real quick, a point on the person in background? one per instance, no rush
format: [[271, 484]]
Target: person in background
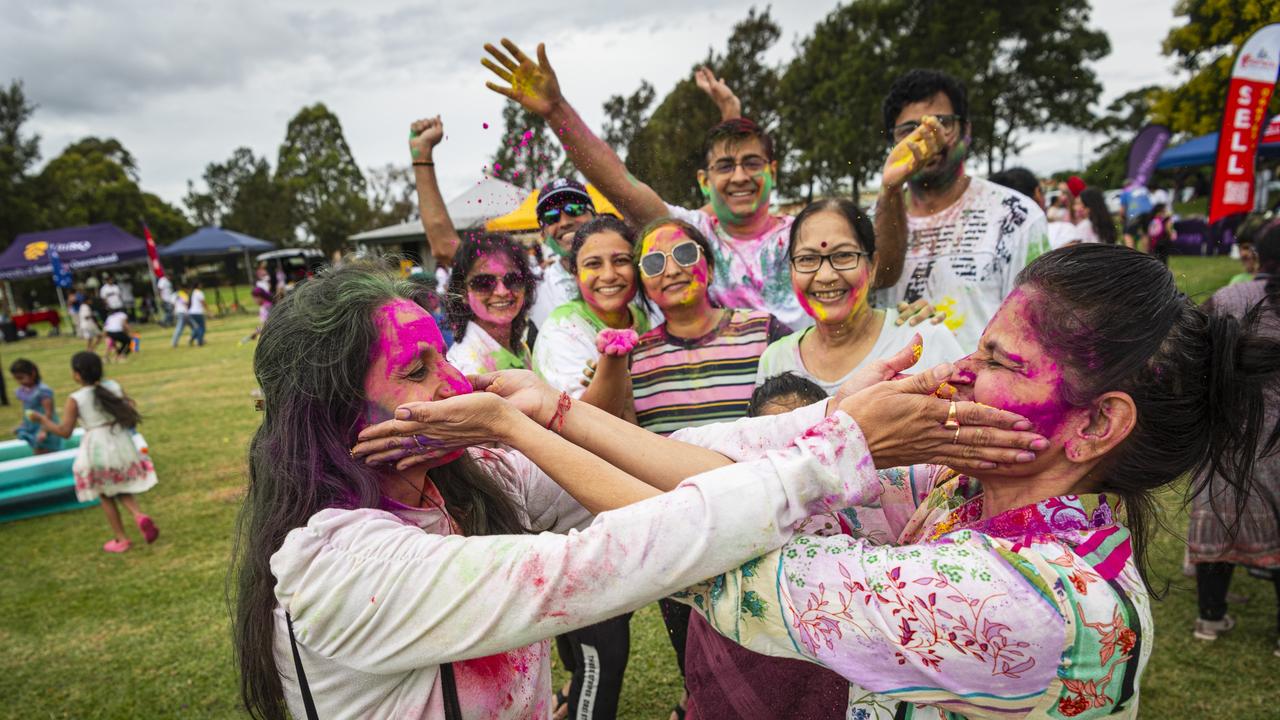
[[564, 206], [35, 397], [1226, 528], [126, 297], [737, 180], [111, 295], [1245, 233], [832, 247], [86, 323], [181, 306], [487, 305], [967, 237], [1061, 232], [1160, 232], [196, 313], [119, 336], [108, 465], [165, 285], [1093, 220], [783, 393]]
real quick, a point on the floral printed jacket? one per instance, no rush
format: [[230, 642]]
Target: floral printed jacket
[[1036, 612]]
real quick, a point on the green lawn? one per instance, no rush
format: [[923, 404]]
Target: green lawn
[[89, 635]]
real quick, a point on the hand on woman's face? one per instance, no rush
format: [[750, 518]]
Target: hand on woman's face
[[830, 295], [676, 285], [1012, 371], [606, 277], [407, 362], [500, 305]]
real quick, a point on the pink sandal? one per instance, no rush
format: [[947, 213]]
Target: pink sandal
[[149, 530], [116, 546]]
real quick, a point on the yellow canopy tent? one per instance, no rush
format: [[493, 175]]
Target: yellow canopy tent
[[524, 219]]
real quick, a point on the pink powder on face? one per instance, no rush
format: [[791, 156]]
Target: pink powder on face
[[402, 326], [616, 342]]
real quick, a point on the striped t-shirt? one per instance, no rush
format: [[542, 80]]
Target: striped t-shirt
[[686, 382]]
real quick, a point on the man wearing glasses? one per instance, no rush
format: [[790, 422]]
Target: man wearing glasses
[[563, 207], [967, 238]]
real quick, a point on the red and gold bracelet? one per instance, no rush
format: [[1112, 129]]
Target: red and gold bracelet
[[562, 408]]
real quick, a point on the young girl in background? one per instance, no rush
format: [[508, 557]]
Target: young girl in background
[[109, 465], [35, 397]]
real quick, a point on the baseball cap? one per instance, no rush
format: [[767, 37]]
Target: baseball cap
[[562, 190]]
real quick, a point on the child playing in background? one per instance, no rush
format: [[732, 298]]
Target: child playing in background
[[109, 465], [117, 329], [35, 396]]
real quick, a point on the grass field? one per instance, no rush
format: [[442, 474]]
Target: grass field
[[84, 634]]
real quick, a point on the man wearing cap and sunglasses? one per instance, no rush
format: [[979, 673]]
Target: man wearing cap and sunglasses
[[563, 206]]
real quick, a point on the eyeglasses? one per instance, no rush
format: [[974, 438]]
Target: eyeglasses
[[552, 216], [808, 264], [949, 123], [486, 283], [685, 254], [753, 164]]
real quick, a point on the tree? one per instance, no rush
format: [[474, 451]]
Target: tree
[[528, 155], [1126, 115], [94, 180], [393, 195], [320, 178], [19, 210], [166, 221], [667, 152], [625, 116], [1206, 47], [242, 196]]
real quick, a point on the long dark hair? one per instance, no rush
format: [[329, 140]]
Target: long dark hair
[[118, 407], [472, 249], [1103, 226], [311, 362], [1267, 246], [1196, 378]]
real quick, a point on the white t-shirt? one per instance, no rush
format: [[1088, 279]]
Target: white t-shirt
[[1085, 228], [165, 286], [567, 342], [197, 303], [1062, 234], [751, 273], [110, 294], [964, 258], [557, 287], [115, 322], [940, 346]]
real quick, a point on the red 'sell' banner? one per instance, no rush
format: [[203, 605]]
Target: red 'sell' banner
[[1253, 80]]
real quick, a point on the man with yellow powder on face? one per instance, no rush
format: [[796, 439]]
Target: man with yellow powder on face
[[752, 269], [967, 237]]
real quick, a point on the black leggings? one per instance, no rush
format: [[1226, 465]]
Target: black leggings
[[1212, 582], [600, 655], [123, 343]]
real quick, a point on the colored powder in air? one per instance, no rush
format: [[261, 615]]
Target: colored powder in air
[[486, 125]]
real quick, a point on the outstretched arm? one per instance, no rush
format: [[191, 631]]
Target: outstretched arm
[[70, 413], [424, 135], [729, 105], [535, 87]]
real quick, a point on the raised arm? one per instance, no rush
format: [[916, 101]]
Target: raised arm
[[727, 103], [904, 160], [424, 135], [534, 86]]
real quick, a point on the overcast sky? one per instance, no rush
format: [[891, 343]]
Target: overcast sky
[[182, 84]]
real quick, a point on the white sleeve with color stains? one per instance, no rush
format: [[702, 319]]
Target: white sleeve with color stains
[[382, 596], [751, 438]]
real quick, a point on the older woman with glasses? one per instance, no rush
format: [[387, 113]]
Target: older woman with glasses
[[833, 260]]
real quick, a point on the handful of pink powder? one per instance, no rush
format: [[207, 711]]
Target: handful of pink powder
[[616, 342]]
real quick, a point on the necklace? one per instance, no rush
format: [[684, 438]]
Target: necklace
[[422, 489]]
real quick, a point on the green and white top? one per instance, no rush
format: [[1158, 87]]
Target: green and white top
[[567, 342]]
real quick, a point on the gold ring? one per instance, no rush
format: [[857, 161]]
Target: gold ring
[[952, 422], [956, 440]]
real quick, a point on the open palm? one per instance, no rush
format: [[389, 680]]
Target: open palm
[[531, 84]]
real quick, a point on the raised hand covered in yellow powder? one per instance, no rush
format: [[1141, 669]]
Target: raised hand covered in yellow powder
[[533, 85], [915, 150]]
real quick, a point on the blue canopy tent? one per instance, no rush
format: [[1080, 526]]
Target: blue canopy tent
[[216, 241], [1204, 150]]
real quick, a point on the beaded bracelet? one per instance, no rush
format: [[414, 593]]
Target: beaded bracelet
[[562, 408]]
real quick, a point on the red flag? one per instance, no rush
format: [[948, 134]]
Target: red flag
[[152, 253], [1253, 77]]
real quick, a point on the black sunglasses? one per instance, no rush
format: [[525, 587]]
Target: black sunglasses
[[486, 283], [685, 254], [552, 215]]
